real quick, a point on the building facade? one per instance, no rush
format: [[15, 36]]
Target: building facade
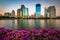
[[25, 12], [13, 13], [7, 14], [19, 13], [38, 10], [45, 12], [51, 11], [22, 7]]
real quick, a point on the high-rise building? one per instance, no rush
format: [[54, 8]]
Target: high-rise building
[[45, 11], [7, 14], [51, 11], [19, 13], [22, 6], [38, 10], [13, 13], [25, 12]]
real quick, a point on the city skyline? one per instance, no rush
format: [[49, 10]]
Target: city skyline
[[9, 5]]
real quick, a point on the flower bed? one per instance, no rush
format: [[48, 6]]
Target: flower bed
[[42, 34]]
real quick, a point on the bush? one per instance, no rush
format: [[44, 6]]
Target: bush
[[42, 34]]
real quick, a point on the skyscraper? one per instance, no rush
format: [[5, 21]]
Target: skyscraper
[[13, 13], [19, 13], [38, 10], [45, 11], [22, 6], [52, 11], [25, 12]]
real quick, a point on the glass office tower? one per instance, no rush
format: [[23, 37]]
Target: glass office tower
[[25, 12], [38, 9]]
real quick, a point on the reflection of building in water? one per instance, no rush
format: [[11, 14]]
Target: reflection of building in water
[[14, 24], [47, 23], [31, 24], [25, 24], [37, 24], [50, 12], [51, 23], [42, 23], [58, 24], [8, 24], [20, 23], [2, 22]]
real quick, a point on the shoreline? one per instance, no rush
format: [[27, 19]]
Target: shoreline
[[28, 18]]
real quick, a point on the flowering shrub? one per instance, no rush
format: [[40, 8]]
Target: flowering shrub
[[42, 34]]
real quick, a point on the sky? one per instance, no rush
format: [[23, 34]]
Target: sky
[[9, 5]]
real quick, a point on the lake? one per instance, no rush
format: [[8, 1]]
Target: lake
[[29, 24]]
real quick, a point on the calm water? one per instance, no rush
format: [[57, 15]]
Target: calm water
[[29, 24]]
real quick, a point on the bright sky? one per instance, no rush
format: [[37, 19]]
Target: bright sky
[[9, 5]]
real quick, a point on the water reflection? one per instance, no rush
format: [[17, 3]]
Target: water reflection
[[37, 24], [2, 22], [13, 24], [58, 24], [25, 24], [51, 23], [20, 24], [42, 23], [30, 24], [7, 24]]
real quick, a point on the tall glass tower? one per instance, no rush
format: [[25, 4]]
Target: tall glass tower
[[38, 9], [25, 12]]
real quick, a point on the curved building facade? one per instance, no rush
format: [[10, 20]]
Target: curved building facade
[[25, 12], [38, 9]]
